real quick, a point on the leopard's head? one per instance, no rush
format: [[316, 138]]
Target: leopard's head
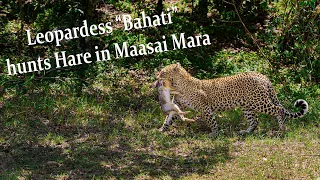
[[173, 72]]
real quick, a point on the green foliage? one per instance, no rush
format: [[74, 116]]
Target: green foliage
[[295, 44]]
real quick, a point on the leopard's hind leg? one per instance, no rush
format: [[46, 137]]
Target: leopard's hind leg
[[275, 111], [252, 118], [273, 95], [281, 116]]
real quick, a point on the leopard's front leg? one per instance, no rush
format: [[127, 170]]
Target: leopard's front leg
[[207, 115], [168, 122], [198, 103]]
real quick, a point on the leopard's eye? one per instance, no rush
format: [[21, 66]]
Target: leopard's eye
[[162, 74]]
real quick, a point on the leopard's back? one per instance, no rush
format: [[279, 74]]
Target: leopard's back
[[240, 90]]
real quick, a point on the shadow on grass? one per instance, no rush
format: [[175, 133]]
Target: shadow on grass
[[41, 138], [87, 153]]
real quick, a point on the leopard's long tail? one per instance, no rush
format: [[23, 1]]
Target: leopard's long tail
[[299, 103]]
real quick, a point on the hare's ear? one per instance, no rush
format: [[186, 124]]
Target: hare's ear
[[154, 84]]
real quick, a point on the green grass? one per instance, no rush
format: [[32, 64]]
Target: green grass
[[111, 131]]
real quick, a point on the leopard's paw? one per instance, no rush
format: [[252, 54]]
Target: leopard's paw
[[213, 135], [243, 132]]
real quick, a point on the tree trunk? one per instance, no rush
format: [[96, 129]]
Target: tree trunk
[[203, 11], [20, 34], [159, 6]]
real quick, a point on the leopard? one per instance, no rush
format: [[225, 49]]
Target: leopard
[[252, 92], [167, 105]]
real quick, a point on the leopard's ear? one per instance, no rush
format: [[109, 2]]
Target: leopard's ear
[[177, 67]]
